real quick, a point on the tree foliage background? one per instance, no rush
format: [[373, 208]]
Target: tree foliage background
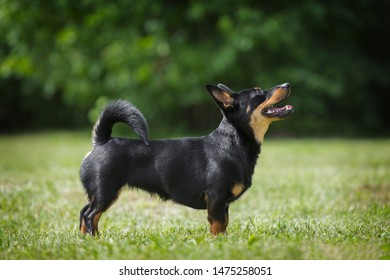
[[61, 61]]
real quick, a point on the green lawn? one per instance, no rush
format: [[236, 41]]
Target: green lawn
[[310, 199]]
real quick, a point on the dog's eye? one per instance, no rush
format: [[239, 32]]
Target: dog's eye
[[259, 92]]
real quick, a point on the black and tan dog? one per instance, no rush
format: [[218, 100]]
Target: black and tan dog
[[207, 172]]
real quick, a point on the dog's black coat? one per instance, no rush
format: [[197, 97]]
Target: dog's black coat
[[207, 172]]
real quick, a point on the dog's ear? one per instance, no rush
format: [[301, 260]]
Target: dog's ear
[[225, 88], [222, 95]]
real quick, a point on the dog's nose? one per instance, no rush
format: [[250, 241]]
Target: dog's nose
[[285, 85]]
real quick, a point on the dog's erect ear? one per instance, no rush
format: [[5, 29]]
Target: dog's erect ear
[[226, 88], [222, 95]]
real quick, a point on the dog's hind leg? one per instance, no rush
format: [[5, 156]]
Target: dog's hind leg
[[83, 227], [93, 220], [98, 206]]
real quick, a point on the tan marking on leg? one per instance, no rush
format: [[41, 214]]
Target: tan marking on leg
[[83, 228], [95, 223], [218, 227], [237, 189]]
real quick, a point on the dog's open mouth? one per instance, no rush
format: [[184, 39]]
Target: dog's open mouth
[[282, 112], [279, 94]]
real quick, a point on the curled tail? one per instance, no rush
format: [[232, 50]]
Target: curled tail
[[119, 111]]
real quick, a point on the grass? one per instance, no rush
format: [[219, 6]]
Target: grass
[[311, 199]]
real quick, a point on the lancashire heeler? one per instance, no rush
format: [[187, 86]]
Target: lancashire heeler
[[207, 172]]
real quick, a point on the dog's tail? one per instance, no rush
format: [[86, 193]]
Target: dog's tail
[[119, 111]]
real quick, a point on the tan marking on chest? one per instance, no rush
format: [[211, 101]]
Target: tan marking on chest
[[238, 189]]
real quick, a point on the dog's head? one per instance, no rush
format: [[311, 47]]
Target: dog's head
[[252, 110]]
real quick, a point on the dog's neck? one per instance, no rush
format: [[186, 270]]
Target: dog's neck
[[234, 141], [237, 137]]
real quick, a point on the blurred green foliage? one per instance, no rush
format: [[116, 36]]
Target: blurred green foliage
[[61, 61]]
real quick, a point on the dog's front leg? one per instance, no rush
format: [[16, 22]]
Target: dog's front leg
[[218, 214]]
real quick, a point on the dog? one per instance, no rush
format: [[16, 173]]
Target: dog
[[207, 172]]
